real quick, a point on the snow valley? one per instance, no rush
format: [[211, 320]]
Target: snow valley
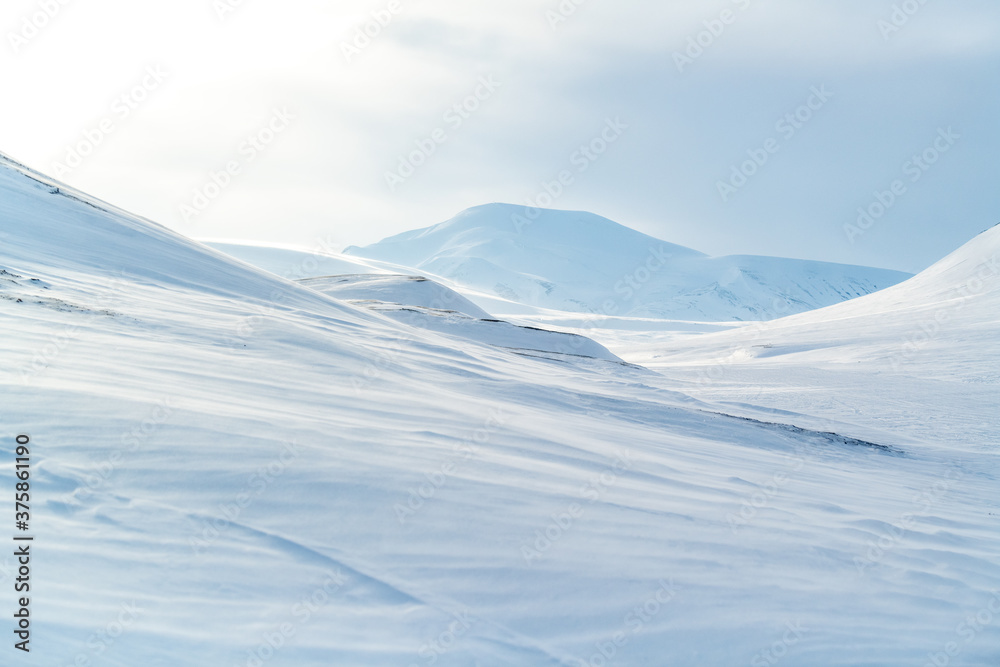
[[443, 449]]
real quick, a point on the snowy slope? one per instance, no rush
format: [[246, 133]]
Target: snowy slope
[[397, 289], [423, 303], [296, 264], [233, 469], [922, 357], [915, 323], [582, 262], [299, 264]]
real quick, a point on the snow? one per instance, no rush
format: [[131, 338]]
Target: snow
[[918, 358], [298, 263], [423, 303], [396, 289], [560, 260], [265, 474]]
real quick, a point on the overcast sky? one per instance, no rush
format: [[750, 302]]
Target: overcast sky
[[331, 134]]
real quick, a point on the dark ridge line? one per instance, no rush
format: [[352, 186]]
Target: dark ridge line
[[523, 352], [798, 430]]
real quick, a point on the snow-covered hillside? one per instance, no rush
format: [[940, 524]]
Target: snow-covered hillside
[[396, 289], [230, 468], [582, 262], [916, 323], [296, 264], [920, 358], [423, 303]]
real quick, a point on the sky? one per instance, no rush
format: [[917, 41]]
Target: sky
[[856, 131]]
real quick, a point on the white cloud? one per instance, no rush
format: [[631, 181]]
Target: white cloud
[[356, 118]]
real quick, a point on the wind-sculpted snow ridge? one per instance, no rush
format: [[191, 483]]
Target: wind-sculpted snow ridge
[[426, 304], [237, 470], [401, 290], [581, 262]]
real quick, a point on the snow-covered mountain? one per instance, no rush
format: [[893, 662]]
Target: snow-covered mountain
[[231, 468], [920, 358], [945, 318], [581, 262]]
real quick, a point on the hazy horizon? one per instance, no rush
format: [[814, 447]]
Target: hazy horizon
[[735, 127]]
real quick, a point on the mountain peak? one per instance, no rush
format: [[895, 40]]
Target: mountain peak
[[498, 230], [582, 262]]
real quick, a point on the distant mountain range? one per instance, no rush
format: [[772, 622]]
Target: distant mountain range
[[945, 320], [581, 262]]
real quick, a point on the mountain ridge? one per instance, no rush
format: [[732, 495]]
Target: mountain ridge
[[582, 262]]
